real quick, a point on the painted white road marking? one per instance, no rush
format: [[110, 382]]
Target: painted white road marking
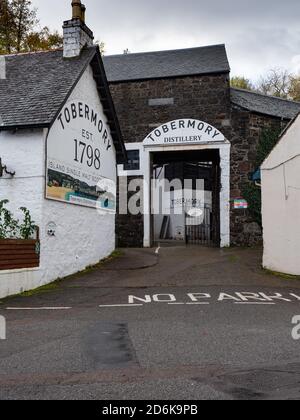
[[39, 309], [254, 303], [128, 305], [198, 303], [176, 303]]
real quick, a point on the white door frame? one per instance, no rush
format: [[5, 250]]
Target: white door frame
[[224, 151]]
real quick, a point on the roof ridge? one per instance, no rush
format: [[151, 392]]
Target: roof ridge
[[165, 51], [20, 54], [264, 95]]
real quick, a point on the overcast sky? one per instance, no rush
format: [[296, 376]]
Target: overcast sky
[[259, 34]]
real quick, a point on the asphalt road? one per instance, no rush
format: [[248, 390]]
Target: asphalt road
[[192, 323]]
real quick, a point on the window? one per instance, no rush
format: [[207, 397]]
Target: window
[[133, 163]]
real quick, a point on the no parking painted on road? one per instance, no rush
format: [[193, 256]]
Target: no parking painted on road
[[236, 298]]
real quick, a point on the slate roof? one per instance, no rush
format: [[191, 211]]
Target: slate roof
[[37, 85], [164, 64], [263, 104]]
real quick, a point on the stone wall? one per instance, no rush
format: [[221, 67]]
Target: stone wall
[[245, 135], [129, 228], [206, 98]]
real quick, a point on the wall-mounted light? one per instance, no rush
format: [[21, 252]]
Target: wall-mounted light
[[3, 170]]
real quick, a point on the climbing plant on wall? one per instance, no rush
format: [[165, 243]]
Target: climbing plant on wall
[[267, 141], [252, 192]]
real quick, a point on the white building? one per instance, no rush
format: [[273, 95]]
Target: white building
[[281, 203], [60, 135]]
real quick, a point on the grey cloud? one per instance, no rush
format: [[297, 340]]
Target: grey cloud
[[258, 34]]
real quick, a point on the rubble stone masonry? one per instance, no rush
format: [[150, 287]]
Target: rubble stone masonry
[[143, 105]]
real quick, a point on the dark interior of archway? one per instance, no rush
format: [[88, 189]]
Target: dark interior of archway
[[195, 164], [160, 158]]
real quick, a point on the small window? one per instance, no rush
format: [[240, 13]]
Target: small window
[[133, 163]]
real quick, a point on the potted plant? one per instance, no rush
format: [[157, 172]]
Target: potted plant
[[18, 247]]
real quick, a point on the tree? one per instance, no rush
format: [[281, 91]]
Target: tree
[[294, 90], [6, 25], [18, 29], [101, 46], [25, 18], [276, 83], [241, 82], [43, 40]]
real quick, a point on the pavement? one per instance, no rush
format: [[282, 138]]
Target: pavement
[[187, 323]]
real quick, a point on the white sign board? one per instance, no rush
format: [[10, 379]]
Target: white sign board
[[81, 157], [185, 131]]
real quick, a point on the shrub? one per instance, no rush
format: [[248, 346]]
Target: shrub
[[11, 228]]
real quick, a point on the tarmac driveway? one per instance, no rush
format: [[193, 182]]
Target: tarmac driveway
[[187, 323]]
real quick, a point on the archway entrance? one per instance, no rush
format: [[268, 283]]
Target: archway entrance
[[194, 150], [186, 185]]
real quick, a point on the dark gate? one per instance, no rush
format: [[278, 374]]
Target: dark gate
[[198, 230], [202, 227], [205, 228]]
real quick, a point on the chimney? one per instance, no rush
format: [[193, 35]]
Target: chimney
[[76, 34]]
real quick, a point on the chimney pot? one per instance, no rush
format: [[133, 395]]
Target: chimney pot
[[76, 9], [83, 9]]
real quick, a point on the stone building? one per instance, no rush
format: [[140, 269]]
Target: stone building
[[152, 90]]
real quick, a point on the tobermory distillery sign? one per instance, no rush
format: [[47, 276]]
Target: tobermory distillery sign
[[80, 157], [185, 131]]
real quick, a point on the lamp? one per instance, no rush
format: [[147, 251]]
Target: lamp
[[3, 169]]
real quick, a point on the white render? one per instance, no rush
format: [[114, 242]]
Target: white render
[[281, 204], [82, 237], [76, 36]]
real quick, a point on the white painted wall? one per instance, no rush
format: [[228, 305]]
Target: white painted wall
[[83, 237], [281, 204]]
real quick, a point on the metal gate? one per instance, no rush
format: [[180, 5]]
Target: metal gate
[[198, 230], [206, 229]]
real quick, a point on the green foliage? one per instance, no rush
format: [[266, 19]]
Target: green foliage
[[11, 228], [241, 82], [43, 40], [27, 228], [8, 225], [267, 142], [19, 29], [251, 192]]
